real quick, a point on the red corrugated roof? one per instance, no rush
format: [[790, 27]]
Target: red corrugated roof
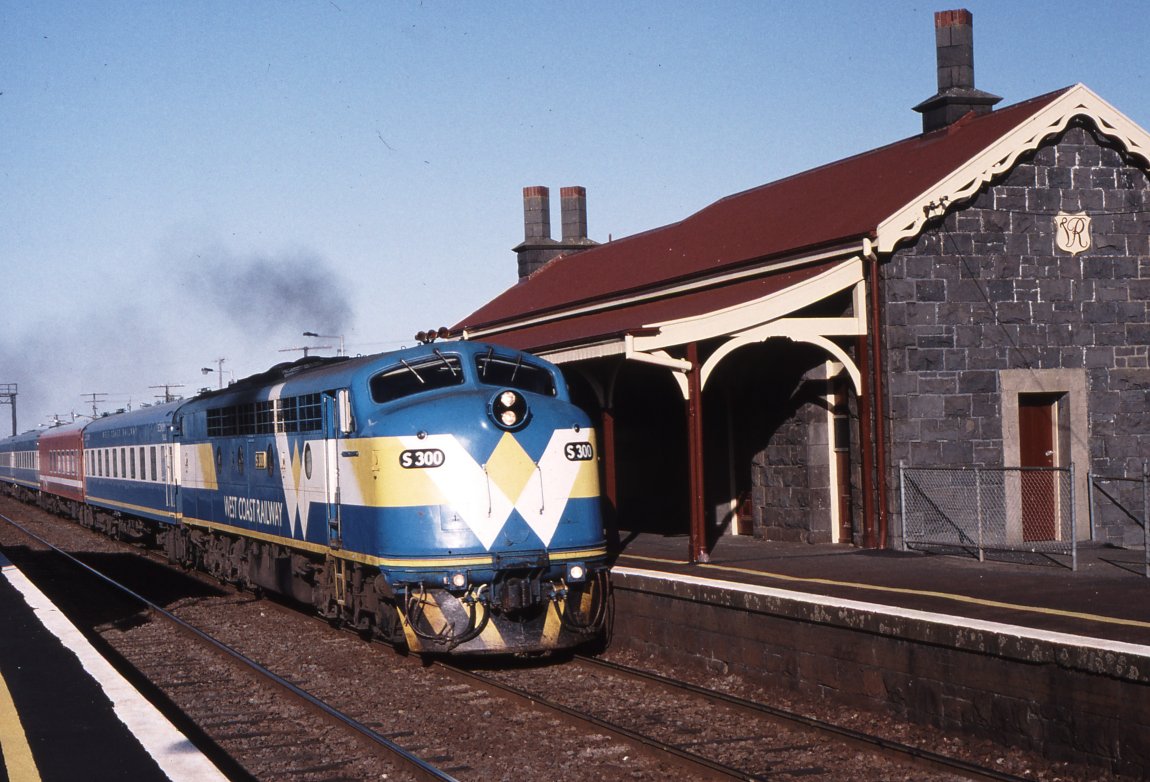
[[825, 206]]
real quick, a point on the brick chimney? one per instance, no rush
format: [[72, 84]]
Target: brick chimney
[[573, 203], [537, 247], [954, 44], [536, 214]]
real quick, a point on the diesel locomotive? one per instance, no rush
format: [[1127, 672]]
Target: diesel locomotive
[[443, 498]]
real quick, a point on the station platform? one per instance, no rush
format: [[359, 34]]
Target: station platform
[[1026, 654], [1106, 598], [66, 713]]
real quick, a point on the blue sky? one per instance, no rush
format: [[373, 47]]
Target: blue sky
[[181, 182]]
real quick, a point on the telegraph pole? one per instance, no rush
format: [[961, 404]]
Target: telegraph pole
[[8, 397]]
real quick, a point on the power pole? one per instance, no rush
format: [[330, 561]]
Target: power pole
[[168, 396], [219, 370], [305, 349], [94, 400], [8, 397]]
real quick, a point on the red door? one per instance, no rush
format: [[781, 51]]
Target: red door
[[1037, 423]]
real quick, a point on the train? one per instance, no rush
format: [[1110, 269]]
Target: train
[[443, 498]]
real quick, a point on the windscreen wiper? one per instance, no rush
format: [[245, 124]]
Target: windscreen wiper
[[411, 369], [443, 358]]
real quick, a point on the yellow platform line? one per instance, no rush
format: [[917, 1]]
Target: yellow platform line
[[906, 591], [18, 760]]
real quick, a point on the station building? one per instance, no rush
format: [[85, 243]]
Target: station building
[[973, 296]]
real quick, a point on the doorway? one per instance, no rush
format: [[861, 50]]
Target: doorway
[[1038, 455]]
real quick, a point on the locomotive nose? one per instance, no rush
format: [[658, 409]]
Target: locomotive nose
[[509, 410]]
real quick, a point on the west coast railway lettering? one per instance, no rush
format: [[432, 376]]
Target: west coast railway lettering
[[268, 513]]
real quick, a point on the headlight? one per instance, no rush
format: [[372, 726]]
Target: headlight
[[459, 580], [575, 573], [509, 409]]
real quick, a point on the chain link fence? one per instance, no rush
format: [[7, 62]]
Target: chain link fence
[[1119, 511], [977, 510]]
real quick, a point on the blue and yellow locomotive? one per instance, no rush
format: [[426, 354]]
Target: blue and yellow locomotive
[[443, 497]]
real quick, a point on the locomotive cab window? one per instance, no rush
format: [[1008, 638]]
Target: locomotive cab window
[[415, 377], [514, 372]]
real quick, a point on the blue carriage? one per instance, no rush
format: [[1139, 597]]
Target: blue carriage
[[20, 462]]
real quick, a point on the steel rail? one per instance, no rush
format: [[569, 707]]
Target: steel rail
[[917, 755], [697, 765], [421, 768]]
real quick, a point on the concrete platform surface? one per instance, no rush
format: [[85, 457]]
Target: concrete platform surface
[[66, 713], [1107, 597]]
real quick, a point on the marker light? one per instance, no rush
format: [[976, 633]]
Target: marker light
[[575, 573], [458, 580]]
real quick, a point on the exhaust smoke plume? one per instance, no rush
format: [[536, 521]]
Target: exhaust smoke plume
[[263, 294], [164, 329]]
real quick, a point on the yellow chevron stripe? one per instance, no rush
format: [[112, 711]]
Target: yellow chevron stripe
[[587, 481]]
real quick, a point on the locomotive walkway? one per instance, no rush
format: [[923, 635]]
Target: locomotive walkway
[[65, 713]]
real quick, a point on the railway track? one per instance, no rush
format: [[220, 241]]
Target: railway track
[[916, 756], [731, 743], [322, 718], [573, 719], [239, 719]]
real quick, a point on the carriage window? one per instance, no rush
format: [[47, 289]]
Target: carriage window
[[514, 371], [416, 376]]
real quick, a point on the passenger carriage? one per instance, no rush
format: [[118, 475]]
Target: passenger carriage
[[128, 464], [20, 463], [62, 468]]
